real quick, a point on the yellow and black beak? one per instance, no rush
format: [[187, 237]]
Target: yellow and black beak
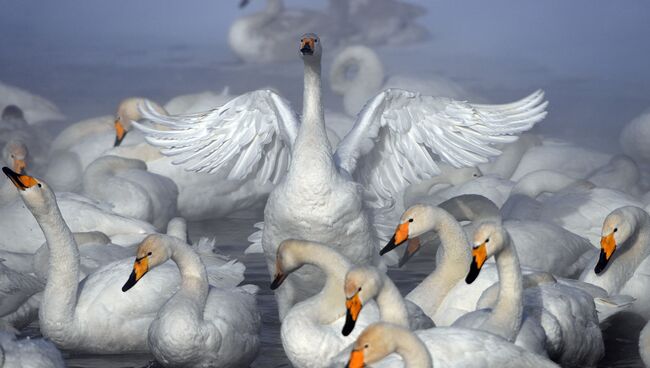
[[140, 268], [479, 255], [607, 248], [19, 166], [307, 46], [353, 306], [401, 235], [356, 359], [278, 280], [120, 133], [21, 182]]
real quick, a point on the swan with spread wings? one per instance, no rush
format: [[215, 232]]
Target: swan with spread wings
[[340, 197]]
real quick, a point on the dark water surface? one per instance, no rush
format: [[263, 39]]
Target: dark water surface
[[620, 335]]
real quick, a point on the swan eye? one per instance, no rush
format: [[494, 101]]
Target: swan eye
[[39, 185], [366, 346], [316, 40], [13, 156], [148, 254], [475, 175], [410, 220], [615, 229], [487, 240], [358, 290]]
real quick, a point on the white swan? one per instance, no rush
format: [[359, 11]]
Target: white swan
[[634, 137], [13, 126], [28, 353], [575, 204], [311, 330], [18, 297], [369, 79], [37, 109], [556, 307], [130, 190], [449, 178], [197, 102], [505, 165], [220, 326], [319, 195], [437, 347], [620, 173], [623, 266], [76, 316], [14, 154]]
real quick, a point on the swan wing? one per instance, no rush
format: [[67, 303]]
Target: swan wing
[[399, 136], [250, 134]]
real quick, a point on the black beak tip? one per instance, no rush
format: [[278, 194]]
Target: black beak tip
[[118, 141], [602, 262], [7, 171], [390, 246], [474, 271], [277, 281], [130, 282], [306, 50], [349, 324]]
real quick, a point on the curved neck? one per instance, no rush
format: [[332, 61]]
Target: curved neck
[[411, 349], [311, 159], [367, 81], [194, 279], [391, 304], [506, 316], [453, 265], [329, 304], [60, 295]]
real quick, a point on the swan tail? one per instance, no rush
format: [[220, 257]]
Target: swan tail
[[256, 240], [228, 275], [612, 305]]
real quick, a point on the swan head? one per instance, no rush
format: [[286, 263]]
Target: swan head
[[287, 260], [361, 284], [128, 111], [372, 345], [15, 154], [152, 251], [310, 47], [489, 238], [617, 228], [13, 112], [415, 221], [36, 194]]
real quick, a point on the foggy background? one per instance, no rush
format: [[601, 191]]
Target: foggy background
[[590, 56]]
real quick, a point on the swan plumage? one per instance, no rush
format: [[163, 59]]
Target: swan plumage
[[220, 325], [634, 137], [36, 108], [18, 290], [28, 353], [319, 193]]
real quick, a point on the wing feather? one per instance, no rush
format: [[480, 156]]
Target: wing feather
[[399, 136], [250, 135]]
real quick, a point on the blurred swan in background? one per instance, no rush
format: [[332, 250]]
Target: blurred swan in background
[[19, 297], [634, 138], [335, 198], [197, 102], [36, 108], [358, 74], [221, 326], [28, 353]]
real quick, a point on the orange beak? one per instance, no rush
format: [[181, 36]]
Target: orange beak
[[607, 248], [479, 256], [356, 359], [21, 182], [307, 46], [120, 133], [353, 306], [140, 268], [400, 236]]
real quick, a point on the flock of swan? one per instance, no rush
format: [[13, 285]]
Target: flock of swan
[[537, 242]]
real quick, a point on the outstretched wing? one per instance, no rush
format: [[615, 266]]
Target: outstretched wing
[[252, 133], [399, 135]]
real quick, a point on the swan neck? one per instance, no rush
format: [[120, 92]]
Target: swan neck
[[391, 305], [194, 278], [411, 349], [506, 316], [60, 294], [453, 264]]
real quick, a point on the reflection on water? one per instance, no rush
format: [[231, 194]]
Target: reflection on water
[[621, 333]]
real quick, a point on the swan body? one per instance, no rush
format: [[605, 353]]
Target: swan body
[[370, 79], [438, 347], [623, 265], [311, 330], [505, 165], [220, 325], [330, 197], [37, 109], [130, 190], [620, 173], [69, 311], [18, 296], [28, 353], [449, 177], [634, 138]]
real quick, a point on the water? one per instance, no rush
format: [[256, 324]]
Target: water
[[620, 335]]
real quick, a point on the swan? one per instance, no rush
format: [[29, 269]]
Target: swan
[[130, 190], [370, 79], [437, 347], [634, 137], [19, 297], [575, 204], [197, 102], [505, 165], [569, 310], [36, 108], [562, 156], [13, 127], [220, 326], [490, 186], [14, 154], [449, 177], [311, 329], [320, 195], [623, 266], [95, 315], [644, 345], [28, 353], [620, 173]]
